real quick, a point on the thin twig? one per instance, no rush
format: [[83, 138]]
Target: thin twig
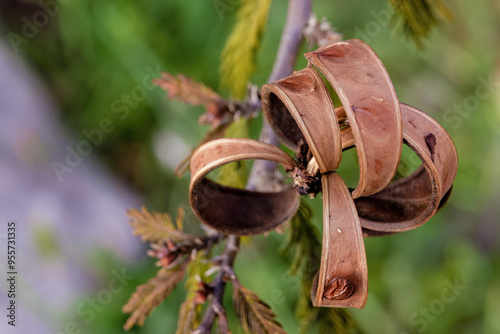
[[291, 39], [171, 254], [204, 242], [221, 318], [232, 247]]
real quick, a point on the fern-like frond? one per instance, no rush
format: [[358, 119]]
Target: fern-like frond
[[190, 311], [418, 17], [156, 226], [304, 239], [191, 92], [255, 316], [187, 90], [147, 296], [239, 54]]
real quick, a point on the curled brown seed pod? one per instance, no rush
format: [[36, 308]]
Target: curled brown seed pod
[[300, 110]]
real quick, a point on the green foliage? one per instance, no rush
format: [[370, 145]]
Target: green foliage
[[190, 311], [304, 239], [418, 17], [239, 54], [328, 320]]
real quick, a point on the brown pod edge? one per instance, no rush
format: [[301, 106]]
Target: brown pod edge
[[361, 82], [238, 211], [342, 280], [410, 202], [299, 107]]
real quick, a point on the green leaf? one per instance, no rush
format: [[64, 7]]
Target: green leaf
[[417, 18], [239, 54], [190, 311]]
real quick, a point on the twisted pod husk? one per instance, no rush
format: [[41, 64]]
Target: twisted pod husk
[[299, 107]]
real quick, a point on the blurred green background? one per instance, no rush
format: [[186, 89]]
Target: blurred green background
[[92, 54]]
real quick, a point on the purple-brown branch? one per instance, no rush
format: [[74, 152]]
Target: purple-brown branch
[[232, 247]]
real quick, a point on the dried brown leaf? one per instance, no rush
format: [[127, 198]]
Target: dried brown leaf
[[155, 226], [187, 90], [255, 316], [191, 92], [147, 296], [188, 316]]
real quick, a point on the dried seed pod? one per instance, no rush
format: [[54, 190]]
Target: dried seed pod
[[343, 251], [299, 108], [410, 202], [238, 211]]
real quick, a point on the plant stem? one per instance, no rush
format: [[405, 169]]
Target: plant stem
[[291, 39], [232, 247], [262, 171]]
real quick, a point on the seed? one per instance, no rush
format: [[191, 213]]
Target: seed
[[339, 288]]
